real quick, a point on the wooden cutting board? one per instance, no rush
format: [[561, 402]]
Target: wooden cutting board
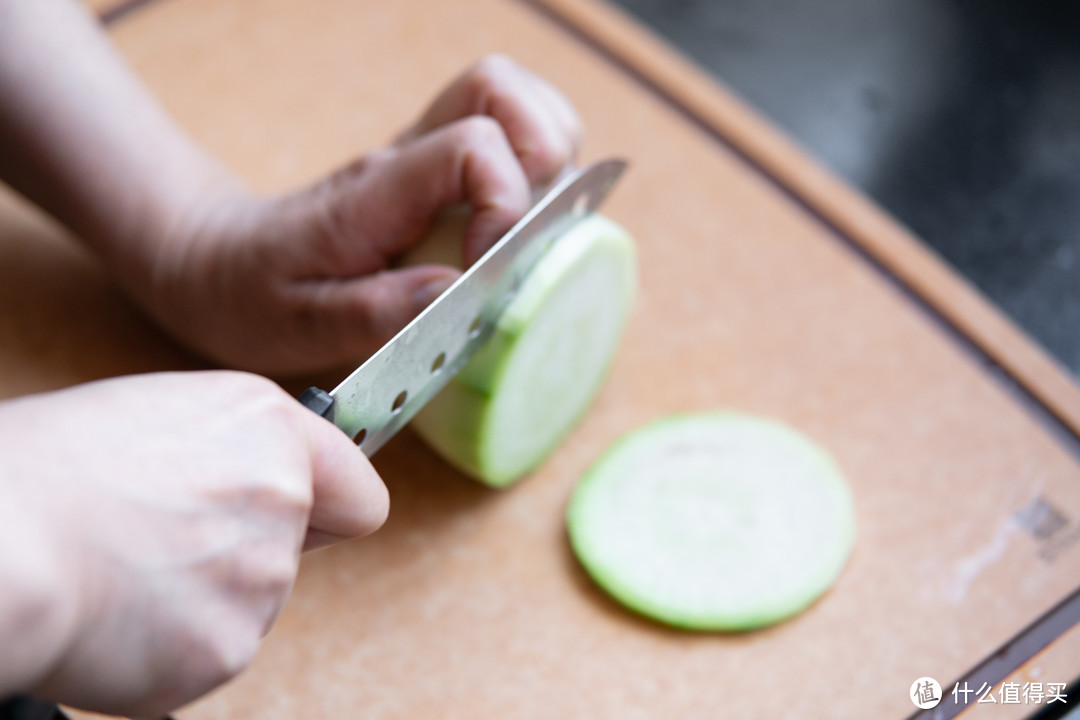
[[767, 286]]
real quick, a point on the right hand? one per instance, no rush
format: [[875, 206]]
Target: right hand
[[159, 521]]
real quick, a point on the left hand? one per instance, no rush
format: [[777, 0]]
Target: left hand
[[302, 282]]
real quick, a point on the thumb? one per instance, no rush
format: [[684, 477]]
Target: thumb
[[349, 498], [356, 316]]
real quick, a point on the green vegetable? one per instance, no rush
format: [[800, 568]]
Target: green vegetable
[[715, 521], [513, 403]]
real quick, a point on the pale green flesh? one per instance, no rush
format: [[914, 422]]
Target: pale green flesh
[[521, 395], [713, 522]]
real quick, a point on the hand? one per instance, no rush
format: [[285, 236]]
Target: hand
[[285, 285], [303, 282], [159, 522]]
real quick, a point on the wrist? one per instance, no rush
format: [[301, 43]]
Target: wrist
[[163, 225], [87, 143]]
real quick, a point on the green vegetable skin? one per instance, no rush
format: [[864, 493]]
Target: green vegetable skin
[[716, 521], [519, 397]]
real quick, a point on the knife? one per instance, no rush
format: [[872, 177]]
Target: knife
[[384, 393]]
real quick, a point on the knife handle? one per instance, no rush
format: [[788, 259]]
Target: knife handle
[[317, 401]]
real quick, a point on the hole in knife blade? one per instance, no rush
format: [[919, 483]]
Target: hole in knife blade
[[399, 402], [515, 285], [358, 438], [474, 328], [581, 205], [439, 362]]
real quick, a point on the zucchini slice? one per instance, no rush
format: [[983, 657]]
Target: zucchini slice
[[516, 400], [718, 521]]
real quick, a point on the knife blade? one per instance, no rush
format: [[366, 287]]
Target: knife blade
[[387, 390]]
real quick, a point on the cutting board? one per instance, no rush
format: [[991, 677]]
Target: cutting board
[[767, 286]]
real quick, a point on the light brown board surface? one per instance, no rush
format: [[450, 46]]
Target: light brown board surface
[[102, 6], [874, 231], [468, 603]]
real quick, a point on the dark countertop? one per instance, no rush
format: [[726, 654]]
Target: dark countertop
[[960, 117]]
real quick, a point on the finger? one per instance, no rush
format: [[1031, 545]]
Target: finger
[[350, 500], [352, 318], [572, 126], [543, 128], [379, 209], [478, 167], [469, 161]]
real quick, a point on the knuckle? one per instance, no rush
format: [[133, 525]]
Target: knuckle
[[335, 333], [342, 179], [267, 573], [479, 131], [280, 576], [576, 130], [234, 390], [331, 203], [215, 653], [308, 321], [551, 157], [257, 386], [374, 308], [496, 61], [332, 216], [492, 68], [233, 652], [369, 315], [261, 584], [283, 496], [272, 472], [266, 400]]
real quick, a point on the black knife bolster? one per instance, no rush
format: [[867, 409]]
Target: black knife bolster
[[317, 401]]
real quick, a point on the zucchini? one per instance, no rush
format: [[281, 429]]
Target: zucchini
[[525, 390], [714, 521]]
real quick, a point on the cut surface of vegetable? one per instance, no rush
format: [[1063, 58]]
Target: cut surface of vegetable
[[523, 392], [718, 521]]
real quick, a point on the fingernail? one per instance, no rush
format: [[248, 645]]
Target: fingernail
[[426, 294]]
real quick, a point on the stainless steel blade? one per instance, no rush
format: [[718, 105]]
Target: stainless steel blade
[[384, 393]]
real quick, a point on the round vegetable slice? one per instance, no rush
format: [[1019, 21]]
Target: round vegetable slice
[[523, 392], [718, 521]]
